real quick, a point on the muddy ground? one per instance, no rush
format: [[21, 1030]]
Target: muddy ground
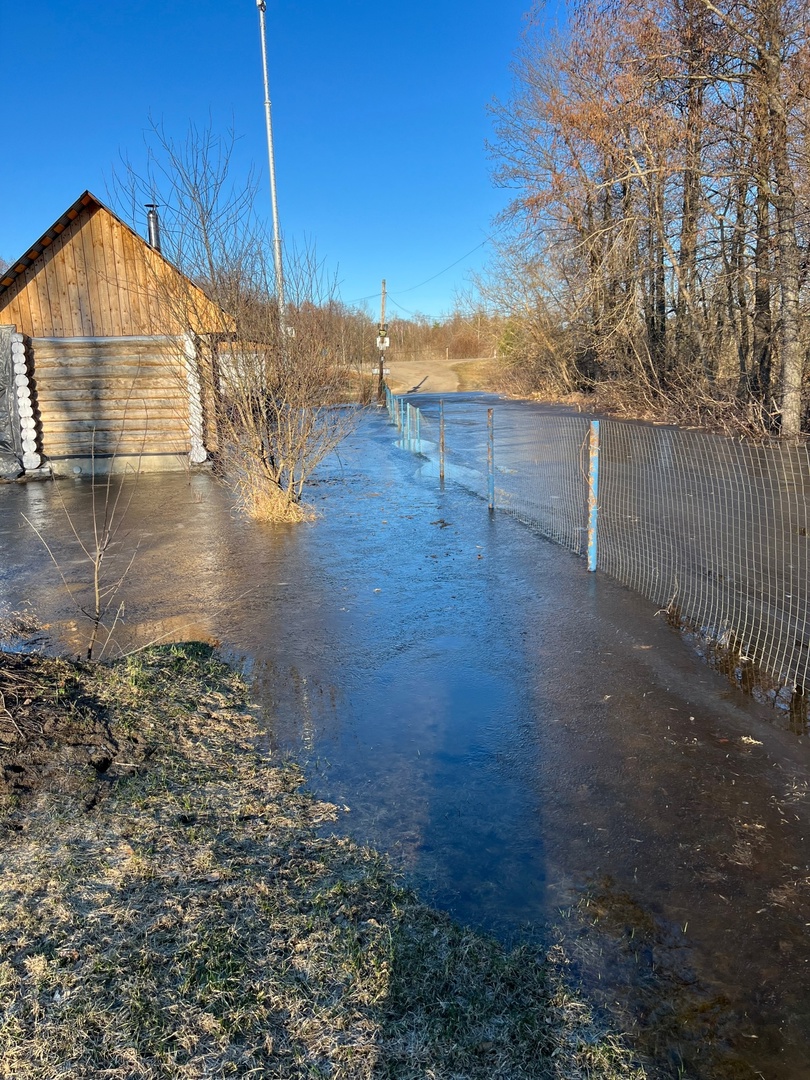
[[55, 738]]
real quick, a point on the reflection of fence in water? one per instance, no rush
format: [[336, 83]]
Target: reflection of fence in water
[[714, 530]]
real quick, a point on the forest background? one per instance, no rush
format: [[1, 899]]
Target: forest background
[[654, 257]]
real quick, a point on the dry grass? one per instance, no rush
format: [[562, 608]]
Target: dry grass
[[479, 376], [262, 502], [193, 922]]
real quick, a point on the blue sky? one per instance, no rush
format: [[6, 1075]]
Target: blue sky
[[379, 116]]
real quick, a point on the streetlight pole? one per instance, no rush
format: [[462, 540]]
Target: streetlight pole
[[279, 269]]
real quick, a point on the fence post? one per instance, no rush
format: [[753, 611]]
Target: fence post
[[418, 430], [491, 458], [593, 492], [408, 421], [441, 442]]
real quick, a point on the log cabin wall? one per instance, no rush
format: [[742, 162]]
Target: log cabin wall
[[124, 396]]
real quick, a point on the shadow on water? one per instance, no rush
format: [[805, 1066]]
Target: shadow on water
[[528, 743]]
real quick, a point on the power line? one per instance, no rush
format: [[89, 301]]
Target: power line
[[413, 288], [414, 313], [472, 251]]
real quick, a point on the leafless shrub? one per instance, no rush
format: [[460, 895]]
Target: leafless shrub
[[273, 389]]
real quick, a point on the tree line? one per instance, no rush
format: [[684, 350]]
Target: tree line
[[660, 224]]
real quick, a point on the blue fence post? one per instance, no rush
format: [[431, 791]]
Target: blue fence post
[[491, 458], [418, 430], [441, 442], [593, 493], [408, 418]]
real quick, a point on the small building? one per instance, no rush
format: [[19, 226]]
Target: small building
[[98, 362]]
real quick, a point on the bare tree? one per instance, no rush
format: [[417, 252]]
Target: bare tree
[[274, 403], [657, 153]]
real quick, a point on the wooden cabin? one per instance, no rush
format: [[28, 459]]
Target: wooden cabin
[[99, 344]]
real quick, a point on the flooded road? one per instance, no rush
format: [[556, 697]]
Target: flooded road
[[530, 742]]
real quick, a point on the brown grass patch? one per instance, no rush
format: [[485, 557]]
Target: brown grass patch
[[481, 376]]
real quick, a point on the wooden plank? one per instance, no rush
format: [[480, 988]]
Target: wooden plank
[[85, 277], [151, 430], [83, 431], [84, 443], [121, 449], [26, 316], [13, 310], [123, 275], [125, 408], [71, 309], [107, 366], [148, 436], [106, 288], [98, 362], [159, 342], [159, 314], [92, 390], [48, 273], [158, 346], [130, 408], [79, 241], [108, 347], [138, 302], [107, 319], [113, 285], [115, 383], [38, 301], [97, 284]]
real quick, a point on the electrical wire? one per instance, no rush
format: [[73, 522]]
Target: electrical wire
[[426, 315], [427, 281], [413, 288]]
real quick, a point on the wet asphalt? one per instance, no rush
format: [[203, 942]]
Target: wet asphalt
[[537, 750]]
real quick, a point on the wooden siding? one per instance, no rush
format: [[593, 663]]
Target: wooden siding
[[115, 396], [97, 278]]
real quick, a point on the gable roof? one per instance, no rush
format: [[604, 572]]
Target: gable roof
[[19, 266], [24, 271]]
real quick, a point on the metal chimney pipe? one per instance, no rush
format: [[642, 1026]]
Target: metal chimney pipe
[[153, 226]]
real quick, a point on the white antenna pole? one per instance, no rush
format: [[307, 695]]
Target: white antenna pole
[[282, 307]]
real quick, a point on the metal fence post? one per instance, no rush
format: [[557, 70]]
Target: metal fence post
[[491, 458], [593, 492], [408, 421], [418, 430], [441, 441]]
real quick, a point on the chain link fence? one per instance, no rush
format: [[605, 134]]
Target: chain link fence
[[712, 530]]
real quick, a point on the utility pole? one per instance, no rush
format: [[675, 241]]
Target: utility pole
[[382, 344], [279, 269]]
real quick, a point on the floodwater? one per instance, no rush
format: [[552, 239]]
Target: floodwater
[[535, 748]]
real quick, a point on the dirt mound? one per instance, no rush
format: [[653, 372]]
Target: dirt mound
[[54, 736]]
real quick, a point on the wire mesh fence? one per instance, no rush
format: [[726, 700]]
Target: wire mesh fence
[[714, 531]]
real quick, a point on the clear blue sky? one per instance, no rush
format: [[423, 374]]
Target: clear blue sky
[[379, 116]]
